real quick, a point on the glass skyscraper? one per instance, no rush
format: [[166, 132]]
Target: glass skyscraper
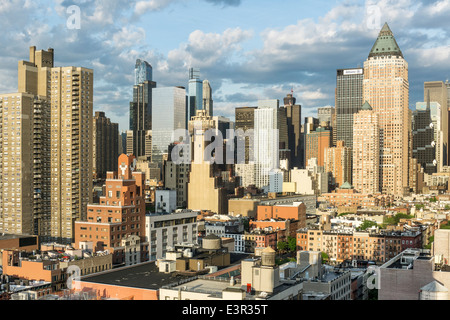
[[195, 94], [142, 72], [169, 114], [349, 100], [141, 115]]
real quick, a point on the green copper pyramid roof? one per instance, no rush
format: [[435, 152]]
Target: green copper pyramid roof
[[385, 45], [346, 185], [366, 106]]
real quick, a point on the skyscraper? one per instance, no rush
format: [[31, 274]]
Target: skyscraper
[[294, 129], [349, 99], [142, 72], [71, 148], [207, 98], [386, 89], [266, 141], [141, 116], [204, 189], [436, 91], [366, 150], [423, 143], [62, 155], [25, 164], [195, 94], [106, 145], [169, 114], [435, 114]]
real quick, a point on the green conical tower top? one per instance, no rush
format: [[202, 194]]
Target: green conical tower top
[[366, 106], [385, 45]]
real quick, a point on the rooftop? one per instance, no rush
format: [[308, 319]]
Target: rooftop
[[143, 276], [7, 236]]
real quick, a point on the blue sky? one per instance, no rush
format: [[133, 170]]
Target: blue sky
[[247, 49]]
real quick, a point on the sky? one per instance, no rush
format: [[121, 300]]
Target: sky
[[247, 49]]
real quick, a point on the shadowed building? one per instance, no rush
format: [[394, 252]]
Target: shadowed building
[[106, 145]]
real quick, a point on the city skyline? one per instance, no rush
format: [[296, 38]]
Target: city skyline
[[263, 56]]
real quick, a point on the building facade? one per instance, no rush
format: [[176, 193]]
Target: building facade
[[366, 150], [105, 145], [386, 89], [349, 99], [119, 216]]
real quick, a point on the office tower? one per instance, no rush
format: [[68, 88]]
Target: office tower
[[25, 164], [266, 141], [176, 176], [169, 114], [142, 72], [119, 217], [435, 113], [366, 150], [204, 189], [129, 142], [245, 121], [195, 94], [69, 92], [106, 145], [207, 98], [386, 89], [222, 124], [338, 164], [437, 91], [325, 114], [141, 117], [423, 143], [294, 128], [349, 99], [315, 144]]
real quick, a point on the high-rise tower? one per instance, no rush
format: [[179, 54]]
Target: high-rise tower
[[195, 94], [366, 150], [142, 72], [349, 99], [386, 89], [52, 113], [207, 98], [294, 129]]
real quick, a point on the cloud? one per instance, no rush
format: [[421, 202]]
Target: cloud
[[232, 3], [303, 54]]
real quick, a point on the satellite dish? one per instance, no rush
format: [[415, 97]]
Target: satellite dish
[[431, 125], [433, 144], [435, 163]]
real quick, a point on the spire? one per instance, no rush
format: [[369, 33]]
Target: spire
[[385, 45]]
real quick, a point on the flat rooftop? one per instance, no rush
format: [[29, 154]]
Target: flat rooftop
[[211, 287], [7, 236], [144, 276]]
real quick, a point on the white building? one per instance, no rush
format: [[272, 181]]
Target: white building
[[266, 141], [165, 201], [165, 230]]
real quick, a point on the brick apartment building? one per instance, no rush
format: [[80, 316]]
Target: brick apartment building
[[378, 246], [117, 223]]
